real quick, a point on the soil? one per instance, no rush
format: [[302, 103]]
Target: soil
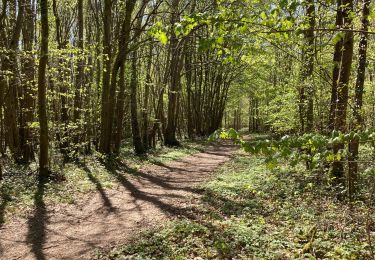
[[143, 199]]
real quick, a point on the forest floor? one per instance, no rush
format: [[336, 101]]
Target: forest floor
[[143, 198], [249, 210]]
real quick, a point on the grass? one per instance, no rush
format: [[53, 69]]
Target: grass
[[74, 180], [251, 212]]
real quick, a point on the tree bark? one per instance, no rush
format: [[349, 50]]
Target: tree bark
[[120, 110], [145, 114], [80, 79], [336, 69], [358, 99], [10, 64], [137, 140], [343, 88], [120, 58], [62, 137], [175, 82], [28, 103], [2, 76], [309, 64], [42, 89], [105, 135]]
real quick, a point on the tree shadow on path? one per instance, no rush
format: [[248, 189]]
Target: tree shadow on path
[[36, 236], [138, 194], [99, 187]]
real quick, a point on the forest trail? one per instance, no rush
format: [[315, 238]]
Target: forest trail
[[143, 199]]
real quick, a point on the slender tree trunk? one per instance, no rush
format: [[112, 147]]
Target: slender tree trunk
[[358, 99], [105, 136], [1, 119], [62, 85], [120, 110], [175, 84], [336, 69], [189, 50], [2, 77], [98, 76], [137, 140], [88, 99], [42, 89], [27, 103], [10, 63], [309, 66], [80, 70], [343, 88], [145, 113], [2, 87], [120, 58], [189, 83]]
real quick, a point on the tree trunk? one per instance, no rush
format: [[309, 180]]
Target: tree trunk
[[175, 84], [336, 69], [27, 103], [137, 140], [10, 63], [120, 58], [80, 71], [105, 136], [42, 89], [309, 64], [358, 99], [2, 79], [120, 110], [62, 137], [145, 113], [342, 88]]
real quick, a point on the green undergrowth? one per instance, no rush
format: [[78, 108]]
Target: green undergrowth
[[251, 212], [164, 154], [71, 181]]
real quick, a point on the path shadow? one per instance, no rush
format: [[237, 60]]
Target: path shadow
[[161, 181], [144, 196], [164, 203], [137, 194], [170, 168], [222, 154], [99, 187], [36, 236], [187, 171]]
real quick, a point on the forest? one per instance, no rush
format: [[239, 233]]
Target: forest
[[186, 129]]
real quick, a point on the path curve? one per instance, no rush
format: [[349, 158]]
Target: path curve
[[110, 217]]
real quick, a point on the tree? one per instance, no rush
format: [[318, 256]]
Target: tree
[[10, 65], [336, 66], [109, 106], [28, 84], [341, 103], [80, 79], [137, 140], [42, 89], [105, 135], [307, 90], [174, 83], [358, 98]]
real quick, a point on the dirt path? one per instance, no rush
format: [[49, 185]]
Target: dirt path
[[110, 217]]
